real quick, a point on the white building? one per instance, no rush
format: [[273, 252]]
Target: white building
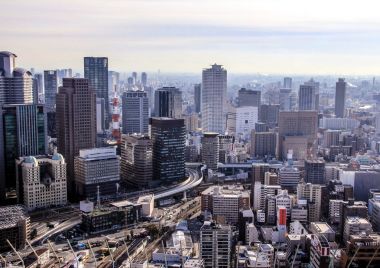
[[251, 233], [44, 181], [147, 204], [214, 96], [339, 123], [246, 118], [356, 226]]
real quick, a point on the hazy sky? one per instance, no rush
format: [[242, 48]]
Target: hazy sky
[[246, 36]]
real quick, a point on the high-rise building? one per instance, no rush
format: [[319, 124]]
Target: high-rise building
[[246, 118], [23, 134], [215, 245], [42, 181], [144, 79], [40, 83], [340, 97], [263, 144], [307, 98], [287, 82], [96, 71], [100, 113], [289, 176], [315, 171], [51, 89], [16, 84], [135, 112], [285, 99], [134, 76], [136, 160], [168, 139], [214, 97], [210, 150], [269, 114], [298, 124], [248, 97], [113, 80], [64, 73], [168, 102], [197, 97], [314, 194], [97, 167], [76, 122]]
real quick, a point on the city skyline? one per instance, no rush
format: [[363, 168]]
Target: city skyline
[[248, 37]]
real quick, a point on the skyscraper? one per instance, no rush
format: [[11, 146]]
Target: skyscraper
[[23, 134], [197, 98], [340, 97], [76, 122], [16, 84], [307, 98], [134, 76], [168, 138], [51, 89], [168, 102], [136, 160], [297, 124], [269, 114], [144, 79], [135, 112], [263, 144], [214, 95], [210, 150], [96, 71], [288, 82], [248, 97]]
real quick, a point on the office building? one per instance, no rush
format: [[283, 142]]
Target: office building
[[168, 102], [289, 176], [287, 82], [307, 98], [319, 249], [322, 228], [43, 181], [226, 143], [76, 122], [14, 226], [285, 99], [136, 160], [96, 71], [331, 138], [144, 79], [113, 81], [51, 89], [191, 122], [314, 194], [354, 225], [269, 114], [224, 203], [263, 144], [248, 97], [100, 115], [135, 112], [361, 255], [197, 97], [210, 150], [340, 98], [23, 134], [168, 140], [214, 99], [97, 167], [16, 84], [315, 171], [339, 123], [215, 245], [246, 118], [294, 124]]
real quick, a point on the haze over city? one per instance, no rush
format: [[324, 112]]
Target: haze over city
[[271, 36]]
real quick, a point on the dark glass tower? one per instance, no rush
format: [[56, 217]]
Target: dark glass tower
[[197, 98], [168, 102], [168, 139], [96, 71], [24, 134]]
